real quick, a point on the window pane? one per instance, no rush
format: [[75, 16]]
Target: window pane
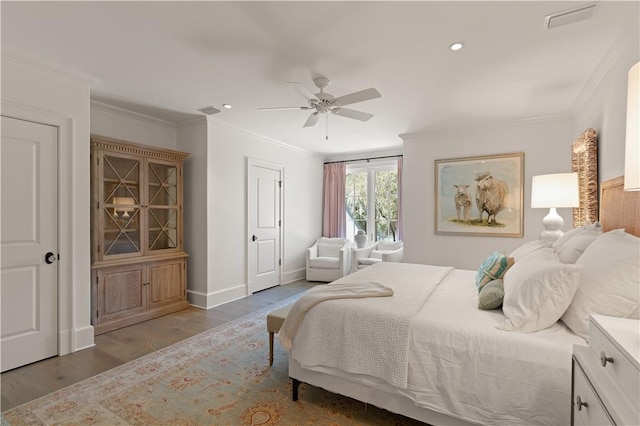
[[386, 202], [356, 203]]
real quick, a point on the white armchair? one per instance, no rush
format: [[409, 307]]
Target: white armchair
[[382, 251], [328, 259]]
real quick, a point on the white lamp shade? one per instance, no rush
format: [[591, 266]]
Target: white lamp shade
[[124, 204], [632, 147], [555, 190]]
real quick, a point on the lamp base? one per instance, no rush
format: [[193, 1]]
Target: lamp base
[[552, 223]]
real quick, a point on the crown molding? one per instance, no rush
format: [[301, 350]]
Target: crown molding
[[211, 120], [147, 119], [48, 68], [629, 32], [193, 122]]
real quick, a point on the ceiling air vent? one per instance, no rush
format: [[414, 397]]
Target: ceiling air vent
[[566, 17], [209, 110]]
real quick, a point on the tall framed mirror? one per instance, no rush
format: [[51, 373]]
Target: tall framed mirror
[[584, 161]]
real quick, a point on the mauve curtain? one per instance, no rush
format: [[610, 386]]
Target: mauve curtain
[[399, 198], [333, 209]]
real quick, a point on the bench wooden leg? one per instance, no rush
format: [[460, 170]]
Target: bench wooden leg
[[295, 384], [271, 347]]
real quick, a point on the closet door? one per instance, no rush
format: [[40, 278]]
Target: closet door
[[29, 248]]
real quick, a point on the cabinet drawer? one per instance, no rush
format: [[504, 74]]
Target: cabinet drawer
[[587, 407], [618, 366]]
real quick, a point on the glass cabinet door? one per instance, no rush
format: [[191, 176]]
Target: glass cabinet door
[[121, 205], [162, 216]]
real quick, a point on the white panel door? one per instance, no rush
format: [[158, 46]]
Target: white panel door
[[28, 231], [265, 182]]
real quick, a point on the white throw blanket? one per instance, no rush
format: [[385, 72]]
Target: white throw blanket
[[321, 293], [368, 336]]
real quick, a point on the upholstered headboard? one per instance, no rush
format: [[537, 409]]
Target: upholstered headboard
[[619, 208]]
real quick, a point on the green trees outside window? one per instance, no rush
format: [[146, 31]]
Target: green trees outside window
[[372, 189]]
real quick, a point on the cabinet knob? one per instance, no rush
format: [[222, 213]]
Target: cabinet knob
[[580, 403], [604, 359]]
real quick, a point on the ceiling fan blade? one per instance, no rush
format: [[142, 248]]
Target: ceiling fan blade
[[352, 113], [303, 90], [312, 120], [284, 108], [361, 96]]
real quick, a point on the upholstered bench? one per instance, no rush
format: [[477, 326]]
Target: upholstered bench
[[274, 322]]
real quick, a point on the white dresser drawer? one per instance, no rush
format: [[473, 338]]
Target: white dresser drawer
[[616, 359], [587, 407]]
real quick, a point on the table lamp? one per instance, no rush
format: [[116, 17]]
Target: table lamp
[[554, 191]]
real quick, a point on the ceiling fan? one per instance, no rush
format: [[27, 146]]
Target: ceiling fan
[[323, 102]]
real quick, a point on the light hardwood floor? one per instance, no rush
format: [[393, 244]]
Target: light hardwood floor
[[117, 347]]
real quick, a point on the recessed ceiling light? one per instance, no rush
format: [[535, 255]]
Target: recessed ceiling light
[[456, 46], [227, 106]]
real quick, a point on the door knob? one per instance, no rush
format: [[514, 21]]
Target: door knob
[[49, 258], [254, 238]]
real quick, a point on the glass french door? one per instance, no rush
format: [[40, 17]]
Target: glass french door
[[162, 206], [121, 200]]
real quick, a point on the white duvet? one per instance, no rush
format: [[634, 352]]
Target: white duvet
[[376, 330], [457, 362]]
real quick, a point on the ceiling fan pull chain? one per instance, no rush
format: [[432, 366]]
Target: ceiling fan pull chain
[[326, 138]]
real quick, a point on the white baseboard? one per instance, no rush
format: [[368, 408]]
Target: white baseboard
[[83, 338], [295, 275], [210, 300], [70, 341], [217, 298]]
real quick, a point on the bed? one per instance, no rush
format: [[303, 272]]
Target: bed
[[430, 354]]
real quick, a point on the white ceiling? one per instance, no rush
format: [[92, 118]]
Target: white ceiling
[[167, 59]]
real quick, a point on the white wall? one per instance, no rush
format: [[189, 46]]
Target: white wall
[[547, 147], [192, 138], [546, 144], [227, 153], [603, 104], [47, 96], [118, 123]]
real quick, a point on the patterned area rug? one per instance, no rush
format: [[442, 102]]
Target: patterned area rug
[[219, 377]]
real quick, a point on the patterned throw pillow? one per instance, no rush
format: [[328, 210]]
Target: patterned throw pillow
[[491, 295], [493, 268]]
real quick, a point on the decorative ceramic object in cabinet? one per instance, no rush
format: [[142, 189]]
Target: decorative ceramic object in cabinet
[[138, 258], [606, 374]]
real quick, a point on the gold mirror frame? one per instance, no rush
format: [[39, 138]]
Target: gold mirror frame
[[584, 161]]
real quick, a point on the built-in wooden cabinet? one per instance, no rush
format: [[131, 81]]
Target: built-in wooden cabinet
[[138, 259]]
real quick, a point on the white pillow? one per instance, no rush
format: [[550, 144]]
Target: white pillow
[[537, 291], [610, 283], [328, 250], [389, 245], [567, 236], [377, 254], [570, 250], [528, 248]]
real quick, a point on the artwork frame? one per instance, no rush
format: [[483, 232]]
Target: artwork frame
[[584, 161], [493, 183]]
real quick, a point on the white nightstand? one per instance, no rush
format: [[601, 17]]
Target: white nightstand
[[606, 374]]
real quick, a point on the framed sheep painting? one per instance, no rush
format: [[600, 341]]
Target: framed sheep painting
[[480, 196]]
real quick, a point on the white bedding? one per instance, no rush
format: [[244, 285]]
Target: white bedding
[[461, 364], [458, 363], [375, 329]]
